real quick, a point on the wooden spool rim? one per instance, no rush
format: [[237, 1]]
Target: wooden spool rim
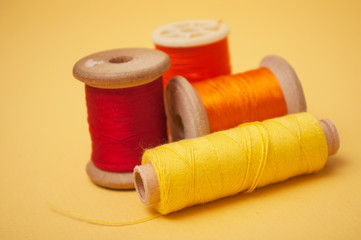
[[121, 68], [190, 33], [289, 82], [146, 180], [113, 180], [331, 135], [187, 116]]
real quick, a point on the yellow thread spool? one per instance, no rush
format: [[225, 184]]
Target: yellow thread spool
[[194, 171]]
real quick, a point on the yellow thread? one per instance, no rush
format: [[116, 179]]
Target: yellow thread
[[195, 171], [98, 221]]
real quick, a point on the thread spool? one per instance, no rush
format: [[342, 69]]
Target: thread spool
[[198, 49], [186, 113], [117, 79], [147, 183]]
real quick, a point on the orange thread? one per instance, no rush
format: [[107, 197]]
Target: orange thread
[[199, 62], [245, 97]]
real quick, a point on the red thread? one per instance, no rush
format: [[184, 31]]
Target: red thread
[[198, 63], [123, 123]]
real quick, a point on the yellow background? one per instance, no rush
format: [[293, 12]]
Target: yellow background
[[45, 144]]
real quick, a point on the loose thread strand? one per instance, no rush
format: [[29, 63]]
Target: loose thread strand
[[103, 222]]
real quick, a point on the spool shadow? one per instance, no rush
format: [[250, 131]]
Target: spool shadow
[[333, 164]]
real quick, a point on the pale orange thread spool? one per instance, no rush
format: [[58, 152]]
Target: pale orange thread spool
[[224, 102], [198, 49]]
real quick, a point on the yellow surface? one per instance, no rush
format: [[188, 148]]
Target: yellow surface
[[45, 144]]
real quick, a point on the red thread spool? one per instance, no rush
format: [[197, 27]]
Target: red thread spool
[[124, 95], [198, 49]]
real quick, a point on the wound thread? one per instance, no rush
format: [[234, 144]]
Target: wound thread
[[199, 170], [251, 96], [123, 122], [199, 62]]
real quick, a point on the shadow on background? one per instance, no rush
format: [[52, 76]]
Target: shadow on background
[[333, 164]]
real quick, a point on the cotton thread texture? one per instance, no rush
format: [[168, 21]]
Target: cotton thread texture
[[230, 100], [196, 171], [124, 122], [199, 62]]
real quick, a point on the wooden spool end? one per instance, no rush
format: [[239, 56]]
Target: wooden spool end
[[190, 33], [187, 116], [114, 69], [146, 184], [331, 134], [121, 68], [146, 180], [289, 82]]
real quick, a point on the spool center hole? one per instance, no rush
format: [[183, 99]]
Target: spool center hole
[[121, 59], [179, 133], [140, 186]]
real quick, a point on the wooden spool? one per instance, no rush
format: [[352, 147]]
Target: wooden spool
[[187, 116], [114, 69], [146, 180]]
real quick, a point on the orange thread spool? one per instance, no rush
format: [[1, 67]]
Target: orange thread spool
[[197, 109], [254, 95]]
